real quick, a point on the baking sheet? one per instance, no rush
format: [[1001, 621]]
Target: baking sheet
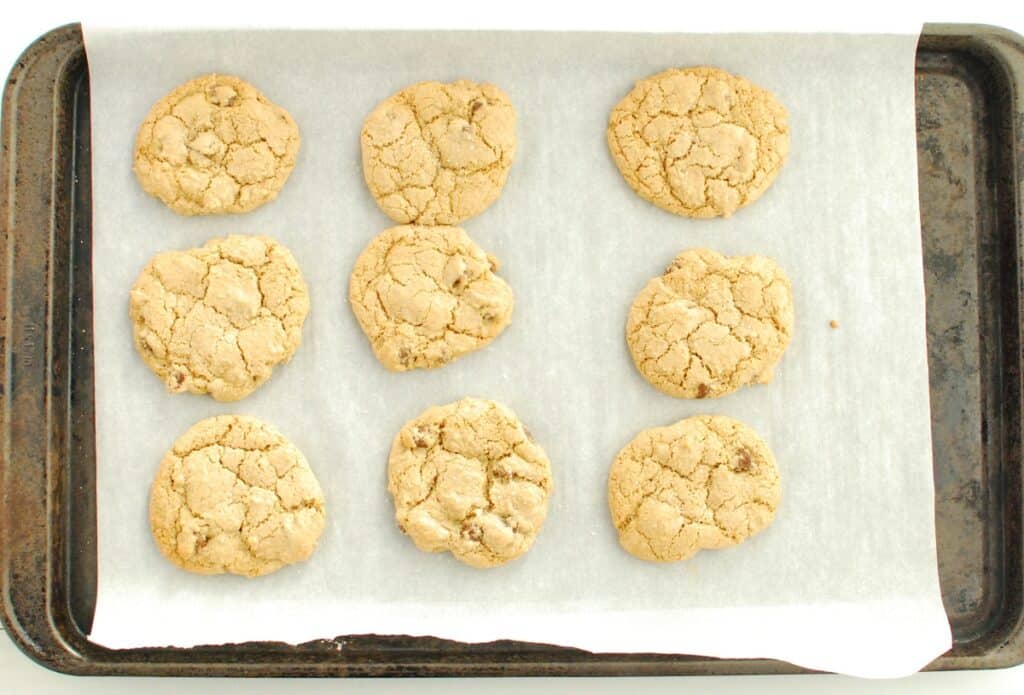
[[844, 580]]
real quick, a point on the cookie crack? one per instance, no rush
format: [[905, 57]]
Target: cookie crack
[[438, 443], [416, 138], [180, 321], [705, 282], [633, 149], [210, 146], [229, 514], [667, 480], [448, 317]]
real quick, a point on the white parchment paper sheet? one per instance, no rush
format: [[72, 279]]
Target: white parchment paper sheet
[[844, 580]]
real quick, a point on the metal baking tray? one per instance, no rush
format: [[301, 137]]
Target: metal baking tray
[[970, 128]]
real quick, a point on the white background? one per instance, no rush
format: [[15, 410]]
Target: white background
[[21, 25]]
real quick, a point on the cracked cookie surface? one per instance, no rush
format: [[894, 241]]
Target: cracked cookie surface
[[233, 495], [425, 296], [703, 483], [711, 324], [698, 142], [216, 319], [468, 478], [215, 145], [439, 153]]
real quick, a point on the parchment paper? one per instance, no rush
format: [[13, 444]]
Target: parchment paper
[[844, 580]]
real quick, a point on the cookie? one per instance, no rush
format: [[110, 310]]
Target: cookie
[[215, 145], [706, 482], [468, 478], [425, 296], [699, 142], [233, 495], [218, 318], [711, 324], [438, 153]]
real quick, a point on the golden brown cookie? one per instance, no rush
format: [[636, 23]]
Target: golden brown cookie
[[425, 296], [233, 495], [705, 482], [467, 477], [438, 153], [711, 324], [218, 318], [699, 142], [214, 145]]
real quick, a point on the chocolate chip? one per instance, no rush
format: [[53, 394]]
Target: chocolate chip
[[475, 106], [423, 437], [742, 464], [178, 380], [222, 95], [702, 391]]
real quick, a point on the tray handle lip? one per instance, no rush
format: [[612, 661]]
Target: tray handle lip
[[989, 38], [1001, 52], [65, 39], [50, 648]]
